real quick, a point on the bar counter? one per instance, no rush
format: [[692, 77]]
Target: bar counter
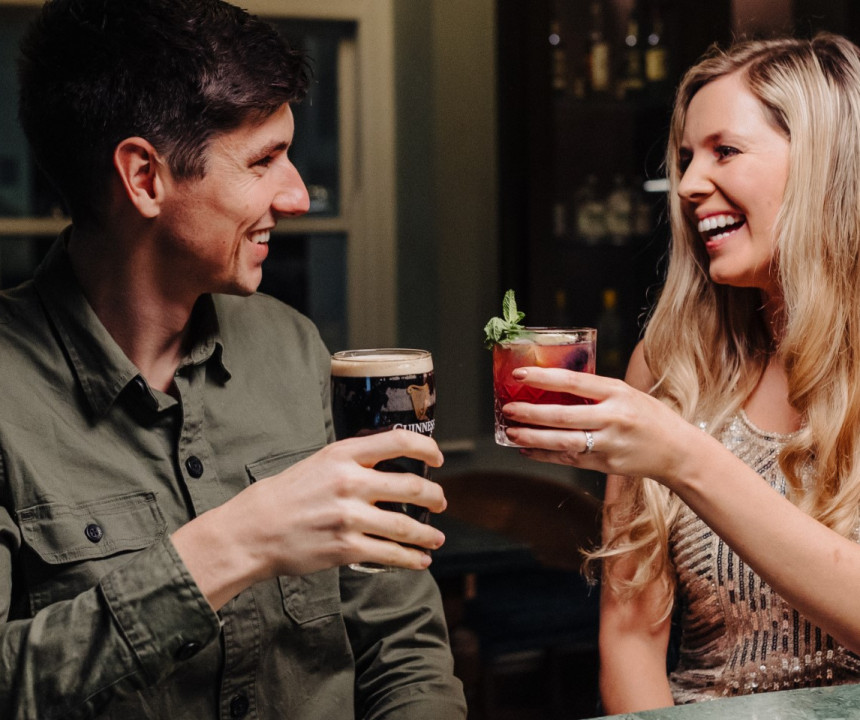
[[830, 703]]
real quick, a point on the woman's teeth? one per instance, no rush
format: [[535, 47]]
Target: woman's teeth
[[260, 237], [716, 223]]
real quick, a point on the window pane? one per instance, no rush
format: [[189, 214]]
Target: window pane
[[19, 256], [309, 273], [316, 149]]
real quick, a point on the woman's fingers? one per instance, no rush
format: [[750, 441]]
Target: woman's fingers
[[586, 385]]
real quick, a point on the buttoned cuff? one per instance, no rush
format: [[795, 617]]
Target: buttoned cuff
[[160, 611], [427, 701]]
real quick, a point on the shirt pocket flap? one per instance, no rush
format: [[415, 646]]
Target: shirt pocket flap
[[309, 597], [273, 464], [61, 533]]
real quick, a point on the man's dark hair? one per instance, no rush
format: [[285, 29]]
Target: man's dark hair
[[175, 72]]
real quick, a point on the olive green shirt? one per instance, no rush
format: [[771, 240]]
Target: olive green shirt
[[98, 615]]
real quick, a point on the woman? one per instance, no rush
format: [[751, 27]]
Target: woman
[[742, 403]]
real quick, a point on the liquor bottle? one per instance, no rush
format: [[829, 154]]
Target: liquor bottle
[[619, 211], [633, 62], [558, 54], [599, 60], [590, 213], [610, 335], [656, 54], [642, 221]]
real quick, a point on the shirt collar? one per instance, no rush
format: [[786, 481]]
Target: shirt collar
[[100, 366]]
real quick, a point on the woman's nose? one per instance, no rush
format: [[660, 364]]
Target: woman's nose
[[695, 182], [292, 198]]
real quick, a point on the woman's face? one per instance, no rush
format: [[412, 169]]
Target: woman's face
[[734, 167]]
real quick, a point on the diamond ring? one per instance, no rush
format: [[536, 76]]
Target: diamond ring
[[589, 442]]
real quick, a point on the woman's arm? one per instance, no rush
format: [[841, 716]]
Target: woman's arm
[[634, 637], [813, 568]]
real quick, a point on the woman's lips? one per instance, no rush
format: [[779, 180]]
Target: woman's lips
[[718, 226]]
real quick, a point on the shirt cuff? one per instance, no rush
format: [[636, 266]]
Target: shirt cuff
[[159, 609]]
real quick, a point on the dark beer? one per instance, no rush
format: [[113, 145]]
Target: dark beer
[[378, 390]]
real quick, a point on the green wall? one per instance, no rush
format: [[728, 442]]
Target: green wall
[[447, 199]]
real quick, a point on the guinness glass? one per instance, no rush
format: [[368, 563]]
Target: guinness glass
[[382, 389]]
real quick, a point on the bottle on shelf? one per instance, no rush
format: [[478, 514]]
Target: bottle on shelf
[[611, 338], [656, 54], [619, 211], [632, 75], [599, 55], [558, 53], [590, 213], [578, 65], [642, 218]]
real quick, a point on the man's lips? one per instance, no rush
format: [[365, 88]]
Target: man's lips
[[259, 237]]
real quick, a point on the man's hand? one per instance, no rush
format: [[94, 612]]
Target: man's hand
[[319, 513]]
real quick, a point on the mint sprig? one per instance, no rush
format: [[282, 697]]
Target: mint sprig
[[508, 327]]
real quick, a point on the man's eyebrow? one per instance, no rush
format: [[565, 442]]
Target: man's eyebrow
[[272, 148]]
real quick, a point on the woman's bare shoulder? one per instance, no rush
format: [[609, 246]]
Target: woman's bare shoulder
[[639, 375]]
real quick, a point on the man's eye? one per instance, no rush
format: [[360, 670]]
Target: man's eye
[[265, 161]]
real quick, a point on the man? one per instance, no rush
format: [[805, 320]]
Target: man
[[173, 515]]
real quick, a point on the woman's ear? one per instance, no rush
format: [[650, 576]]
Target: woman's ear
[[139, 167]]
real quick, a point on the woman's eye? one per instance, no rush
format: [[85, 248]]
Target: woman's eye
[[725, 151], [684, 159]]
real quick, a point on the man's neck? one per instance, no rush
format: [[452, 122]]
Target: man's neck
[[147, 319]]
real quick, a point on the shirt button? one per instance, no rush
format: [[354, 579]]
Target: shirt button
[[188, 650], [239, 706], [93, 532], [195, 467], [140, 383]]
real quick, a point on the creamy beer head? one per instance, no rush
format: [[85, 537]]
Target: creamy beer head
[[383, 389], [385, 362]]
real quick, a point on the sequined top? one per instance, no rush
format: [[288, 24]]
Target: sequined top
[[738, 636]]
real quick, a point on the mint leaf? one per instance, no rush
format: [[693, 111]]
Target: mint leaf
[[508, 327], [509, 309]]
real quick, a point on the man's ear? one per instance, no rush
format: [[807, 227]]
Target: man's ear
[[139, 169]]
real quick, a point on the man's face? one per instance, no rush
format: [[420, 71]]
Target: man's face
[[214, 231]]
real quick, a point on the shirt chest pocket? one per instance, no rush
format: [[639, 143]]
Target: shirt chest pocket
[[68, 548], [308, 597]]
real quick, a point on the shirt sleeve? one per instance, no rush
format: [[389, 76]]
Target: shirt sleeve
[[404, 667], [73, 657]]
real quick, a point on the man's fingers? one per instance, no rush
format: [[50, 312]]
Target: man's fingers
[[372, 449], [406, 488]]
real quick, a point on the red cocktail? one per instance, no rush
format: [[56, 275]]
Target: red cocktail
[[571, 348]]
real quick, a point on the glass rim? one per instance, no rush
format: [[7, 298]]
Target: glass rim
[[545, 329], [567, 336], [369, 354]]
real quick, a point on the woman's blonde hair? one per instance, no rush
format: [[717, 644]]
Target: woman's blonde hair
[[707, 344]]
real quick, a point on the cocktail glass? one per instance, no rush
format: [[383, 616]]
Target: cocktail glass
[[571, 348]]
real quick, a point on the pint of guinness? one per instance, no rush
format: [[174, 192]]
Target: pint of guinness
[[383, 389]]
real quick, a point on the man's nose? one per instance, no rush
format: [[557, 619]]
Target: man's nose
[[292, 199]]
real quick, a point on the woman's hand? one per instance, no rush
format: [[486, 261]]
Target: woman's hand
[[631, 432]]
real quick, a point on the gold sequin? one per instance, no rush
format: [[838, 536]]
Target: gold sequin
[[739, 637]]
